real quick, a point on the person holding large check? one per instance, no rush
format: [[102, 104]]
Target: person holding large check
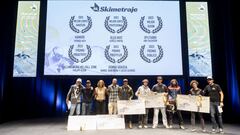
[[160, 88], [195, 91], [173, 90], [126, 93], [143, 91]]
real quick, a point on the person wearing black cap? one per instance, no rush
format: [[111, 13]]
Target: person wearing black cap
[[87, 98], [160, 88], [195, 91], [216, 95], [74, 97], [126, 93]]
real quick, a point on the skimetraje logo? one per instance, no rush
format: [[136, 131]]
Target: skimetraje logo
[[97, 8]]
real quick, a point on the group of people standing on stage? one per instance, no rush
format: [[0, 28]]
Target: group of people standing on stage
[[82, 97]]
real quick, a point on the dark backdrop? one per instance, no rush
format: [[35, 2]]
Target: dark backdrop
[[44, 96]]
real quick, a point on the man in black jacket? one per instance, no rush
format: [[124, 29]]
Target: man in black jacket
[[126, 93], [87, 98]]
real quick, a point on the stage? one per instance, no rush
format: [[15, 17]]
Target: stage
[[58, 126]]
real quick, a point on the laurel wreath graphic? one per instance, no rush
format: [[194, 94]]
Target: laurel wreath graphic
[[125, 55], [155, 60], [73, 58], [160, 55], [142, 55], [125, 23], [109, 58], [157, 29], [88, 27], [72, 26], [142, 25]]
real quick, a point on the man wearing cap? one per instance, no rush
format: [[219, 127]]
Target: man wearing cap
[[74, 97], [112, 92], [143, 91], [87, 98], [216, 95], [126, 93], [160, 88]]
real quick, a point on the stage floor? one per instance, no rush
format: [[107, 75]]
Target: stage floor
[[58, 127]]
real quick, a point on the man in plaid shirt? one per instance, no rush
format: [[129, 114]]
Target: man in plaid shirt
[[113, 90]]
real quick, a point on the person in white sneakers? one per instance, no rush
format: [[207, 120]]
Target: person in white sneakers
[[160, 88], [173, 90], [143, 91]]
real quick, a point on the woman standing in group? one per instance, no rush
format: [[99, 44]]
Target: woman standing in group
[[173, 90], [100, 97], [196, 92]]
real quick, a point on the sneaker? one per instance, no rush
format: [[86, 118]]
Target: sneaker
[[130, 125], [193, 130], [213, 131], [140, 126], [221, 131], [166, 126], [145, 126], [170, 126], [204, 130], [154, 126], [182, 127]]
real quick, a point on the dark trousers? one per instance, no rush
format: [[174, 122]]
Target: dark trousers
[[213, 111], [179, 114], [200, 117], [143, 118], [86, 108], [128, 118], [100, 107]]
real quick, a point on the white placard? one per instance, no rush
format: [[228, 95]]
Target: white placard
[[110, 122], [82, 123], [153, 100], [131, 107], [193, 103]]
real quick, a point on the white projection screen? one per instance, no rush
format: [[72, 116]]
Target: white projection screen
[[26, 41], [113, 38], [199, 51]]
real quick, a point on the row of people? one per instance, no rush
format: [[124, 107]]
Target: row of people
[[78, 93]]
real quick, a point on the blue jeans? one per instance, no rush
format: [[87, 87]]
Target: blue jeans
[[86, 108], [213, 111], [75, 107]]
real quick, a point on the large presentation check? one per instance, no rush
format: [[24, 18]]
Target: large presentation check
[[153, 100], [193, 103], [131, 107]]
